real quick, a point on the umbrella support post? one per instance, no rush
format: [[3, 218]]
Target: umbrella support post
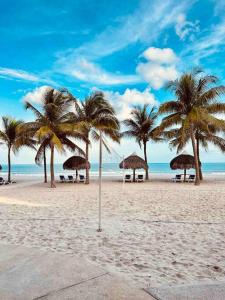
[[133, 175], [185, 172]]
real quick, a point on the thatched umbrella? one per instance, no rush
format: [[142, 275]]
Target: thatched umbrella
[[75, 163], [133, 162], [184, 162]]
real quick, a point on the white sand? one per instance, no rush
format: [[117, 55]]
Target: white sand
[[155, 233]]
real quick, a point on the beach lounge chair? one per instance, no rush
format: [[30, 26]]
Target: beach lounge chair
[[70, 178], [10, 182], [62, 178], [2, 181], [191, 178], [128, 178], [177, 178], [81, 178], [140, 178]]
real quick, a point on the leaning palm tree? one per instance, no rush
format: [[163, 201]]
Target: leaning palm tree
[[194, 108], [41, 157], [53, 127], [141, 126], [204, 136], [96, 114], [14, 138]]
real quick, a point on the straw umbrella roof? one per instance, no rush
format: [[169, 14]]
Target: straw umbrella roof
[[133, 162], [75, 163], [183, 161]]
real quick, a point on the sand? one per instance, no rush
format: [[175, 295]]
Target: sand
[[154, 233]]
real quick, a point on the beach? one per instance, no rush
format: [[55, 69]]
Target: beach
[[154, 233]]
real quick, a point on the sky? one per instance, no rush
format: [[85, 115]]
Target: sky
[[128, 49]]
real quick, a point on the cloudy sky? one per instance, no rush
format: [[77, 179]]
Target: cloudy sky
[[128, 49]]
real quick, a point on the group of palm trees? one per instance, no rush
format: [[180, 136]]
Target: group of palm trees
[[60, 120], [196, 116]]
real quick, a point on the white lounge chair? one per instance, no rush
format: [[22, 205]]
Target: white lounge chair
[[81, 178], [2, 181], [70, 178], [140, 178], [62, 178], [177, 178], [191, 178], [128, 178]]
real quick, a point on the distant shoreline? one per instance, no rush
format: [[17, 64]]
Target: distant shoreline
[[109, 169]]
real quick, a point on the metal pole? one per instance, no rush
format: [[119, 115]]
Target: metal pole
[[123, 173], [100, 186]]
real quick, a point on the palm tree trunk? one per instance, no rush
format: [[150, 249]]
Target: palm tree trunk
[[198, 152], [146, 160], [52, 168], [45, 167], [9, 164], [87, 158], [197, 177]]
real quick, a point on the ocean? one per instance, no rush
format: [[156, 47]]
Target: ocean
[[109, 169]]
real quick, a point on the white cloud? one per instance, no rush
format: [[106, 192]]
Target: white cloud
[[157, 75], [133, 28], [87, 71], [37, 95], [123, 103], [160, 56], [211, 42], [159, 68], [185, 29], [219, 7], [18, 74]]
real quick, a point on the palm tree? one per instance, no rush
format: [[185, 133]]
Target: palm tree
[[53, 127], [141, 126], [41, 157], [193, 109], [41, 153], [204, 136], [45, 166], [96, 114], [14, 138]]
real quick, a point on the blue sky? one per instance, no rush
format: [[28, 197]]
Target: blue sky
[[128, 49]]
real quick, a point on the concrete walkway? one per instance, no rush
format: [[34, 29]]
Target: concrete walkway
[[197, 291], [31, 274]]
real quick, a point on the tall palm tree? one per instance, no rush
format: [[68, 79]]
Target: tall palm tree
[[45, 166], [14, 138], [141, 126], [203, 136], [41, 157], [96, 114], [195, 105], [53, 127], [206, 137]]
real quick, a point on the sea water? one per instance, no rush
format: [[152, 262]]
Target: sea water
[[109, 169]]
